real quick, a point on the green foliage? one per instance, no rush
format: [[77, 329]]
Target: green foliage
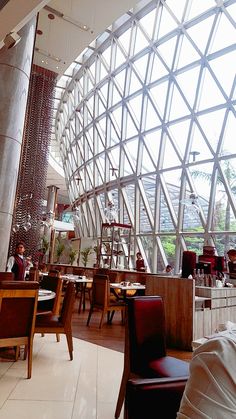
[[59, 249], [45, 244], [72, 254], [85, 254]]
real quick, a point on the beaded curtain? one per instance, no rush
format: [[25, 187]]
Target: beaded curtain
[[32, 175]]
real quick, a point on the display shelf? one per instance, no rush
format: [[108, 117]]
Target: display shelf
[[115, 245]]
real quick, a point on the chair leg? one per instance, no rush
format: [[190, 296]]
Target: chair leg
[[69, 343], [111, 316], [89, 316], [30, 357], [58, 337], [121, 395], [101, 321]]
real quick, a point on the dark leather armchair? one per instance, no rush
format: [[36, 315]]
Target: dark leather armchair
[[145, 354]]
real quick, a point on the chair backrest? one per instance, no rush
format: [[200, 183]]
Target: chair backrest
[[54, 272], [53, 284], [6, 276], [18, 303], [34, 274], [68, 304], [77, 270], [146, 331], [100, 291]]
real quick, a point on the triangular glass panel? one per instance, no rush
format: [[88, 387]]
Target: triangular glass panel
[[147, 163], [200, 33], [211, 124], [165, 219], [167, 23], [115, 158], [188, 83], [201, 177], [199, 148], [177, 8], [131, 128], [124, 40], [104, 90], [152, 119], [158, 69], [147, 22], [152, 142], [225, 62], [119, 57], [120, 80], [179, 134], [116, 117], [145, 225], [116, 97], [178, 107], [224, 35], [141, 41], [128, 170], [229, 144], [103, 71], [167, 50], [132, 150], [140, 66], [101, 107], [170, 157], [223, 216], [114, 135], [210, 94], [197, 7], [135, 107], [188, 53], [159, 95], [107, 56], [135, 83]]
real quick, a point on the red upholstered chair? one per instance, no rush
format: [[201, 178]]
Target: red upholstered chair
[[18, 303], [51, 323], [145, 347]]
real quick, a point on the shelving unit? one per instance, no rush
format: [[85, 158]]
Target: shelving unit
[[115, 245]]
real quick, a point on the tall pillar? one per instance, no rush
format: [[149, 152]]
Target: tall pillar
[[15, 68], [51, 208]]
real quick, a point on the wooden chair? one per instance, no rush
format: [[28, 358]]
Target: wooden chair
[[34, 274], [18, 304], [51, 306], [6, 276], [50, 323], [101, 300], [145, 354]]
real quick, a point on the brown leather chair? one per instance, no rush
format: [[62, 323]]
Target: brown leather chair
[[101, 300], [18, 303], [50, 323], [145, 347]]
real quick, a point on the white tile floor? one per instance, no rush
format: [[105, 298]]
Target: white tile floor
[[85, 388]]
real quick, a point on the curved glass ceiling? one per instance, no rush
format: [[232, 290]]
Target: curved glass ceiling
[[147, 120]]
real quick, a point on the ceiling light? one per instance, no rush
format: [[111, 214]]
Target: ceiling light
[[67, 18], [47, 54]]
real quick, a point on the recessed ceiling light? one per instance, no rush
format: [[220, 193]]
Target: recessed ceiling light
[[57, 67], [51, 16], [39, 32], [42, 61]]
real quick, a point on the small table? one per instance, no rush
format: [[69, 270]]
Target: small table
[[83, 280], [44, 295], [124, 288]]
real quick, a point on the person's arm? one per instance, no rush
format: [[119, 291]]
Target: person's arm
[[10, 263]]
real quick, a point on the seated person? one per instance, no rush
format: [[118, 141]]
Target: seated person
[[232, 263], [140, 265], [210, 391], [168, 269]]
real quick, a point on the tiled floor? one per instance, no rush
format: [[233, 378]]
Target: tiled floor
[[85, 388]]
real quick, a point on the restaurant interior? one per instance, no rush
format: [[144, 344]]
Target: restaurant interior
[[117, 209]]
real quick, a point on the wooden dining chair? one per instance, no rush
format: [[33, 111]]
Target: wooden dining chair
[[6, 276], [101, 300], [34, 274], [50, 323], [145, 354], [18, 304]]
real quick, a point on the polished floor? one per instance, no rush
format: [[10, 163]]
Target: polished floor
[[85, 388]]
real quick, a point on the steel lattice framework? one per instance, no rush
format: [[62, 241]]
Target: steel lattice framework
[[147, 118]]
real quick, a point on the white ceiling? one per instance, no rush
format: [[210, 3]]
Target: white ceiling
[[75, 25]]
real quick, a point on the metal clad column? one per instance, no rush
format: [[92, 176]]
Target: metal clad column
[[15, 68]]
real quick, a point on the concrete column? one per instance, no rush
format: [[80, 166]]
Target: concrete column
[[51, 207], [15, 68]]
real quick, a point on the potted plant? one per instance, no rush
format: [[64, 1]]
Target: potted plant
[[85, 254], [72, 255], [59, 249]]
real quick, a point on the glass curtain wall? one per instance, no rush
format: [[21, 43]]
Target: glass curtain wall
[[147, 122]]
